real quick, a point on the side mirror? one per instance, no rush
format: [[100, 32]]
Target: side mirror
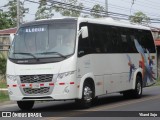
[[84, 31], [11, 37]]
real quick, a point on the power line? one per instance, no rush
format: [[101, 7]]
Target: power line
[[120, 7], [87, 10]]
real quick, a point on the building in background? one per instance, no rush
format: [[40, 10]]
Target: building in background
[[156, 36], [4, 38]]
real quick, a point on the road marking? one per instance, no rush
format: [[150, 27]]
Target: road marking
[[104, 108]]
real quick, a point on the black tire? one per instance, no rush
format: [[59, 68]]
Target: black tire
[[137, 92], [95, 101], [25, 105], [87, 96]]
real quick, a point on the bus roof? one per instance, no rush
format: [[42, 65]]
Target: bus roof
[[113, 22], [103, 21]]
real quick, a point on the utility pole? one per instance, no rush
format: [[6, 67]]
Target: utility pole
[[18, 13], [106, 7]]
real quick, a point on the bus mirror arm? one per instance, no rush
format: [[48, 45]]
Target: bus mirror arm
[[83, 31]]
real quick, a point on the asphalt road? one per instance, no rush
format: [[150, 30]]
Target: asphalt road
[[113, 105]]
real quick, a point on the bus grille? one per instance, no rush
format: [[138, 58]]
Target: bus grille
[[36, 78], [36, 90]]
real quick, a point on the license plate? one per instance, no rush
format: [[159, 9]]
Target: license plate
[[35, 86]]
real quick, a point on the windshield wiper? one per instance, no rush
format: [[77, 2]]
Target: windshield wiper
[[28, 54], [53, 53]]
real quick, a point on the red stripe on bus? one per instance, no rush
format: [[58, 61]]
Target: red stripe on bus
[[14, 85], [23, 85], [61, 83], [51, 84], [71, 82], [41, 84]]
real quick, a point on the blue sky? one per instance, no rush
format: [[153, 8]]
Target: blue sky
[[150, 7]]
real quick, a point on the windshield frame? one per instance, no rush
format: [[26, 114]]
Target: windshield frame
[[56, 58]]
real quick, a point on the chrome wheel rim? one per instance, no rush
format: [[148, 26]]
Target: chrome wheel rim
[[139, 90], [87, 94]]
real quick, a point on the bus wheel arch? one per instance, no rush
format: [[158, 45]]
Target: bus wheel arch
[[137, 92], [88, 93], [138, 72]]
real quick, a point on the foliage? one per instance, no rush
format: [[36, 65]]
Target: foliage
[[5, 20], [12, 10], [69, 8], [3, 61], [3, 84], [97, 11], [43, 10], [139, 17], [4, 96]]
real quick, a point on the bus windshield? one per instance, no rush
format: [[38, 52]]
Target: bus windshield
[[44, 41]]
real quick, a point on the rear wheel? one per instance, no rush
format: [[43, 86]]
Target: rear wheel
[[87, 96], [25, 105], [137, 92]]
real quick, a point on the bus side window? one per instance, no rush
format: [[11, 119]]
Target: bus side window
[[132, 44], [115, 45], [147, 41]]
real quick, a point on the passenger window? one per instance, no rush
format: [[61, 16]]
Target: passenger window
[[115, 39], [145, 39], [97, 38]]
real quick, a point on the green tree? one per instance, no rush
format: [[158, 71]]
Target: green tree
[[139, 17], [5, 21], [43, 10], [3, 61], [70, 8], [12, 10], [97, 11]]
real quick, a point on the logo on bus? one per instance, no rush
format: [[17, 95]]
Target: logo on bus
[[36, 77]]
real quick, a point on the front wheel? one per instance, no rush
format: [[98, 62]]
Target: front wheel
[[87, 96], [25, 105]]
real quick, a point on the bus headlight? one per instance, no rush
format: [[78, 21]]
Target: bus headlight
[[65, 74], [12, 77]]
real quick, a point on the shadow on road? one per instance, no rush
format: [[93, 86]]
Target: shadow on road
[[71, 106]]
